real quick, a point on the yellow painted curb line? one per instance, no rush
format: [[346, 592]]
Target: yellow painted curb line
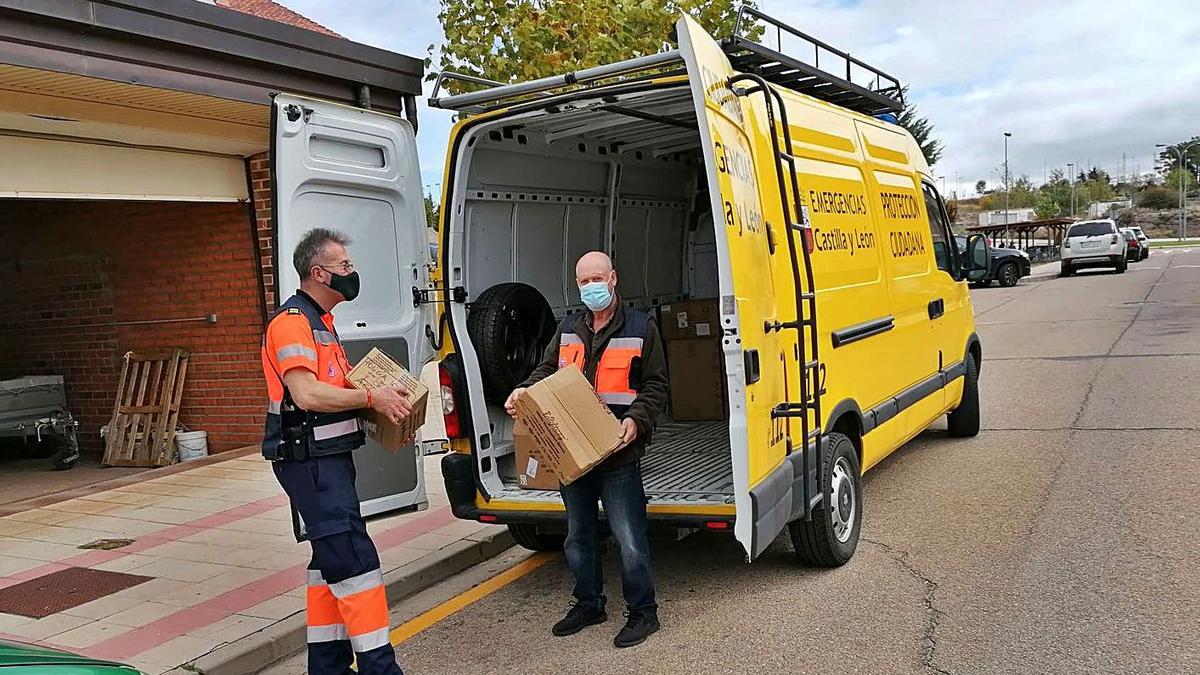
[[423, 621]]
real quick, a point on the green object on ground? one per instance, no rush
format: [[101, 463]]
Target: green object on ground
[[18, 659]]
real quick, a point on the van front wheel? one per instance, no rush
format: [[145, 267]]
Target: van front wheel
[[831, 536], [529, 537], [964, 420]]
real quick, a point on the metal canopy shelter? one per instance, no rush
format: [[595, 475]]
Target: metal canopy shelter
[[1025, 235]]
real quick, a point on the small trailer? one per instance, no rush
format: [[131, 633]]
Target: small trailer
[[34, 409]]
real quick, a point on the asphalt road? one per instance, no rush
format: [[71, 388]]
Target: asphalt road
[[1063, 539]]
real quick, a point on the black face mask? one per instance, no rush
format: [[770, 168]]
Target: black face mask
[[347, 285]]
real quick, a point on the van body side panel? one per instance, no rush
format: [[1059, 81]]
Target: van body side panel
[[907, 251], [852, 292]]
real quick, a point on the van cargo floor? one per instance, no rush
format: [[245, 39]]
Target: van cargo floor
[[688, 463]]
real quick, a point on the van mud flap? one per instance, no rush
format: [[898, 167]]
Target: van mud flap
[[779, 499]]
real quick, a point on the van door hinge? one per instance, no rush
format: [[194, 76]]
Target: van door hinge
[[435, 293]]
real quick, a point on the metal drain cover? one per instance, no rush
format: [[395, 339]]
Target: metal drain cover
[[58, 591]]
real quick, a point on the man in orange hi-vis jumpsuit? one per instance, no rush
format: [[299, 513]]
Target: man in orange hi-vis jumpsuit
[[312, 427]]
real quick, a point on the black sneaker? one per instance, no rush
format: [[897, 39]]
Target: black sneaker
[[636, 630], [578, 618]]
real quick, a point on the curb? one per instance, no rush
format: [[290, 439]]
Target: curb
[[280, 640]]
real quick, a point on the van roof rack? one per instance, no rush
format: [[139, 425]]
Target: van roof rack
[[863, 88]]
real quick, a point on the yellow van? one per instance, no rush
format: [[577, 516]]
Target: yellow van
[[839, 304]]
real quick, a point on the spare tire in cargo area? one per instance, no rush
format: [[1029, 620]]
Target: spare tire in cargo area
[[510, 325]]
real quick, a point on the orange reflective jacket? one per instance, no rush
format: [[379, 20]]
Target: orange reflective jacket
[[301, 335], [616, 370]]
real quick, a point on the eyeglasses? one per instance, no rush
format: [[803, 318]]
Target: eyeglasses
[[346, 267]]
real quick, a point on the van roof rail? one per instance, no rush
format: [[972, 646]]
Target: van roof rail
[[843, 80], [864, 88], [473, 101]]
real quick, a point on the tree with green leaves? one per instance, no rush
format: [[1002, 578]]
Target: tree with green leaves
[[980, 187], [922, 131], [1179, 176], [1046, 205], [518, 40], [1169, 157], [432, 213]]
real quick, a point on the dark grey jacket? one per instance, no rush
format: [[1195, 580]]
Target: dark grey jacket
[[653, 390]]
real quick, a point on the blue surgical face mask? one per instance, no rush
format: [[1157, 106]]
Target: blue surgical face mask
[[595, 295]]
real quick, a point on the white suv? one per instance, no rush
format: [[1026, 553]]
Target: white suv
[[1093, 243]]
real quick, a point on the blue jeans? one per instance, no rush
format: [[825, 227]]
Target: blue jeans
[[620, 489]]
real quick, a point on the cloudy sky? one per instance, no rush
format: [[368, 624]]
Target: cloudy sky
[[1085, 81]]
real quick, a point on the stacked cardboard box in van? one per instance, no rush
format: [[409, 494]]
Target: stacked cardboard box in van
[[692, 332]]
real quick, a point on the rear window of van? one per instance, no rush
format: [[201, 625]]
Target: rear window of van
[[1090, 230]]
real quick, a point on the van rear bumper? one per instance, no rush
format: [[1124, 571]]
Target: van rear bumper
[[461, 490]]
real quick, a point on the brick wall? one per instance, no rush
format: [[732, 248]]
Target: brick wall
[[76, 274], [260, 184]]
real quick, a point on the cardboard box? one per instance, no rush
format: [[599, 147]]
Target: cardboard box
[[690, 319], [697, 372], [376, 370], [571, 426], [533, 471]]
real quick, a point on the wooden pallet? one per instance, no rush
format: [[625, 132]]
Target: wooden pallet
[[141, 431]]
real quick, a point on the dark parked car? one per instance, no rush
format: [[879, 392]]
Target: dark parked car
[[1005, 265]]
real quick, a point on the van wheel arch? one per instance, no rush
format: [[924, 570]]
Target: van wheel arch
[[847, 419], [975, 348]]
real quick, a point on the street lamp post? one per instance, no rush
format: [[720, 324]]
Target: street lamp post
[[1071, 172], [1007, 188], [1182, 154]]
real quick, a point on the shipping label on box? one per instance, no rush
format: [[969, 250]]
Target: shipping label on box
[[532, 472], [689, 319], [571, 426], [377, 370]]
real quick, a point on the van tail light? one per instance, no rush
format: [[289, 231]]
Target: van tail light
[[809, 242], [719, 525], [488, 518], [1132, 243], [449, 410]]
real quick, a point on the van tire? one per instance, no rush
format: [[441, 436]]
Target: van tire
[[528, 536], [816, 540], [510, 325], [1122, 265], [1066, 270], [964, 420]]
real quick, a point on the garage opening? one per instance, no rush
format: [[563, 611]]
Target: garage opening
[[622, 175], [85, 281]]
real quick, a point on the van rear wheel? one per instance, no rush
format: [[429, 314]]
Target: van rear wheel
[[528, 536], [831, 536]]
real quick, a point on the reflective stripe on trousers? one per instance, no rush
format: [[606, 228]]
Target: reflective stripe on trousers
[[354, 609]]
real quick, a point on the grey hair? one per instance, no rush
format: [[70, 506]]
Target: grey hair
[[312, 245]]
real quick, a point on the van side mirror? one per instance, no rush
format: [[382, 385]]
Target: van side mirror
[[975, 263]]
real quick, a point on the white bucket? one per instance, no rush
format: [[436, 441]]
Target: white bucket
[[191, 445]]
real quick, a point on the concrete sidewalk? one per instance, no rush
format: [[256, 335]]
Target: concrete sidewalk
[[227, 578]]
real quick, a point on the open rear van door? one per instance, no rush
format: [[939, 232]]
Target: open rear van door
[[757, 361], [356, 171]]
